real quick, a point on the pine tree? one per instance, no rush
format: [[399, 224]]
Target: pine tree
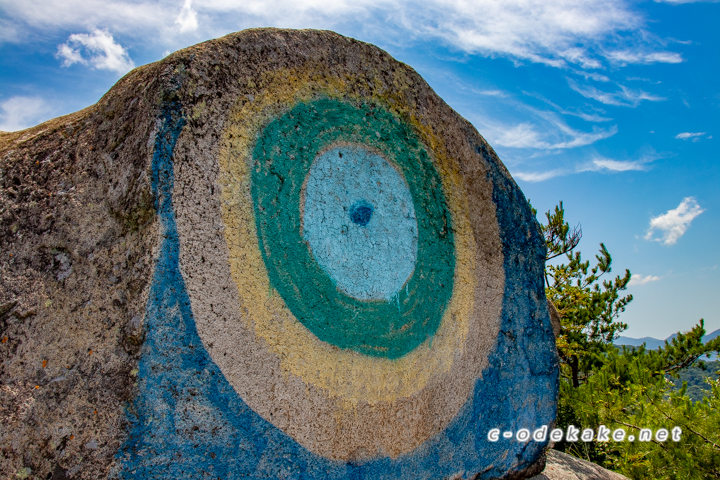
[[627, 388], [588, 304]]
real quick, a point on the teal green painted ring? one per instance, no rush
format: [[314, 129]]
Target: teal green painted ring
[[282, 158]]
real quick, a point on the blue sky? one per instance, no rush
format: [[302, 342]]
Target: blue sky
[[611, 106]]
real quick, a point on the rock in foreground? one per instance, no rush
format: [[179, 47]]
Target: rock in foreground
[[561, 466]]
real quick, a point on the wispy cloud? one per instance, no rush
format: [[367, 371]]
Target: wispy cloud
[[491, 93], [581, 33], [551, 133], [18, 113], [575, 112], [534, 177], [695, 137], [141, 17], [624, 57], [97, 49], [625, 97], [642, 79], [638, 279], [9, 31], [596, 164], [617, 165], [591, 75], [588, 117], [673, 224], [602, 164], [460, 84], [509, 28], [574, 138], [523, 135]]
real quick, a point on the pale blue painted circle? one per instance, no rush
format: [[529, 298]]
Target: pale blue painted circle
[[367, 260]]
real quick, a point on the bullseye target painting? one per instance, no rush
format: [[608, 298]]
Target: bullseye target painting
[[348, 285]]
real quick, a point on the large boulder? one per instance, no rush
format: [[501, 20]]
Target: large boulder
[[278, 254]]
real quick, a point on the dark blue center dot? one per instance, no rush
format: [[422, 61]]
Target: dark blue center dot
[[342, 291], [361, 212]]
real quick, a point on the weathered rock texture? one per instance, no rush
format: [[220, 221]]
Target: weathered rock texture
[[273, 255], [561, 466]]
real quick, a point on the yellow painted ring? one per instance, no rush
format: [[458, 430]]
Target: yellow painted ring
[[338, 403]]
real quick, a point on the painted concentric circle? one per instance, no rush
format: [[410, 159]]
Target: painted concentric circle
[[284, 155], [341, 394]]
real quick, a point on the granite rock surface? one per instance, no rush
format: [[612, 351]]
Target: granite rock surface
[[170, 308], [561, 466]]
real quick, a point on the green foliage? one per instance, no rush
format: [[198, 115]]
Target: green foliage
[[559, 238], [588, 304], [695, 377], [631, 388]]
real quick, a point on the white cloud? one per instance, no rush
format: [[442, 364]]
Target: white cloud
[[575, 112], [555, 135], [491, 93], [187, 20], [18, 113], [9, 31], [625, 97], [73, 14], [674, 223], [523, 135], [70, 55], [638, 279], [597, 164], [591, 76], [618, 165], [575, 138], [588, 117], [602, 164], [582, 33], [97, 49], [535, 30], [624, 57], [534, 177], [695, 137], [686, 135]]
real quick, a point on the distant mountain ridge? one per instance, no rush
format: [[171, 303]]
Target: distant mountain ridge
[[653, 343]]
